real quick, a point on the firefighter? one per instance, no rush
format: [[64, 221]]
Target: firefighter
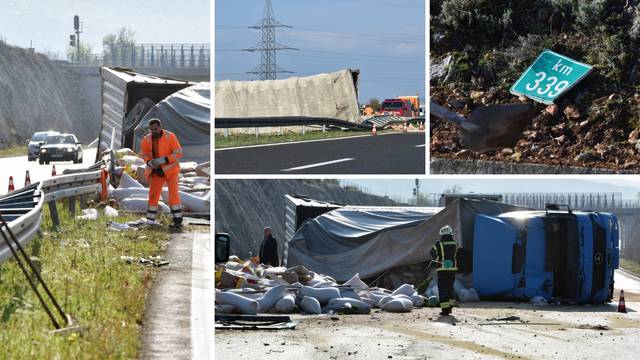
[[443, 253], [161, 151]]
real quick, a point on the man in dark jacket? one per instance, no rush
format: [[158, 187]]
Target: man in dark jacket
[[443, 254], [269, 249]]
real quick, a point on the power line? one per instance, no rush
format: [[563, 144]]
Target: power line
[[268, 69]]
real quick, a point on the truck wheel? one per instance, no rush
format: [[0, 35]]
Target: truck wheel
[[41, 161], [47, 162]]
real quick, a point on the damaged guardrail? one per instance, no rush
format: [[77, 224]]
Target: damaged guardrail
[[22, 209], [222, 123]]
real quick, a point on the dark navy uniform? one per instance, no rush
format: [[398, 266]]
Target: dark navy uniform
[[444, 253]]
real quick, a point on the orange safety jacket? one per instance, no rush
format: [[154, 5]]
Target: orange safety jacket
[[167, 146]]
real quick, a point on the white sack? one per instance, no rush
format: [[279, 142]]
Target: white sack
[[286, 304], [310, 305], [127, 181], [139, 205], [341, 303], [271, 297], [323, 295], [398, 305], [243, 304], [405, 289]]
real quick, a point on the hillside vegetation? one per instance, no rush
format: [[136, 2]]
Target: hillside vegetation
[[37, 95], [479, 49]]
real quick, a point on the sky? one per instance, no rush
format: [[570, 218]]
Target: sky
[[48, 23], [629, 186], [385, 39]]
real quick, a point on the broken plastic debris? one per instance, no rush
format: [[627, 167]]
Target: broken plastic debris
[[116, 226], [110, 212], [88, 214], [356, 282]]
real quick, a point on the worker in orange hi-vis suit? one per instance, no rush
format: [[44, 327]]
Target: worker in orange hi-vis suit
[[161, 151]]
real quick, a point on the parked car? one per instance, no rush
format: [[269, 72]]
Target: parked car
[[61, 147], [33, 148]]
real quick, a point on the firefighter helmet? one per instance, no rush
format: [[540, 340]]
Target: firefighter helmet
[[446, 230]]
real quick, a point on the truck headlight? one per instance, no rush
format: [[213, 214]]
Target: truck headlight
[[69, 149], [43, 150]]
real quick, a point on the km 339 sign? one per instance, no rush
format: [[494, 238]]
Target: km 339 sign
[[550, 76]]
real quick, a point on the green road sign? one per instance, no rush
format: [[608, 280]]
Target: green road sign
[[550, 76]]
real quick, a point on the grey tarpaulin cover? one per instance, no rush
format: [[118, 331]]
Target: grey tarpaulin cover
[[186, 113], [331, 95], [369, 241]]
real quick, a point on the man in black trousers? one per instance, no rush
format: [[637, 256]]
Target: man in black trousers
[[269, 249], [443, 253]]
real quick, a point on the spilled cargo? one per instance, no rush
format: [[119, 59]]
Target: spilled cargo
[[506, 251]]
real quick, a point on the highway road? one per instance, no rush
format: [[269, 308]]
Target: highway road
[[17, 166], [397, 153]]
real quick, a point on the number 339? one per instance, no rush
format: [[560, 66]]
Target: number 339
[[550, 82]]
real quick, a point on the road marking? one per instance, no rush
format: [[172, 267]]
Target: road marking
[[202, 280], [302, 142], [421, 145], [318, 164]]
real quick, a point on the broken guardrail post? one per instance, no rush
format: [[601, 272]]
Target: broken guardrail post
[[72, 204], [53, 210]]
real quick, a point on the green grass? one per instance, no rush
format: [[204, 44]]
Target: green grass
[[251, 139], [17, 150], [81, 265], [630, 265]]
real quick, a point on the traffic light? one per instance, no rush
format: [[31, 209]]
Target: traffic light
[[414, 191], [76, 22], [72, 40]]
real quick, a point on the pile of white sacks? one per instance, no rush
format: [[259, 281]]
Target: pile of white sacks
[[132, 191], [310, 293]]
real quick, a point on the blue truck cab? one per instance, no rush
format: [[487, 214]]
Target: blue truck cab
[[566, 255]]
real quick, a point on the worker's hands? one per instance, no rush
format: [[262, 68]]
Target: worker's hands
[[155, 163]]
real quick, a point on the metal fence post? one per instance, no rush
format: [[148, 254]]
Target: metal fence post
[[53, 210], [72, 204]]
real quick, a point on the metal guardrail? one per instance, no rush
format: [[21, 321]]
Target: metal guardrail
[[223, 123], [22, 209], [367, 124]]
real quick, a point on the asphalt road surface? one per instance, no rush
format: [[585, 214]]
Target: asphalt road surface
[[17, 167], [539, 332], [398, 153]]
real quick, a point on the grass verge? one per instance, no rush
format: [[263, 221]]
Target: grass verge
[[81, 265], [251, 139], [13, 151], [630, 265]]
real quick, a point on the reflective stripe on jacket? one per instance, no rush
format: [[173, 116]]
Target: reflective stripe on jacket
[[444, 252], [167, 146]]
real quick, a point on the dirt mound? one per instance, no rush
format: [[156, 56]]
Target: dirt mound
[[37, 95], [479, 52], [244, 207]]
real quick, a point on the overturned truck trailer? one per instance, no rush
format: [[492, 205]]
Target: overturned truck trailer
[[129, 99], [507, 251], [330, 98]]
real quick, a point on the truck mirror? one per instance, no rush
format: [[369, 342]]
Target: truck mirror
[[222, 246]]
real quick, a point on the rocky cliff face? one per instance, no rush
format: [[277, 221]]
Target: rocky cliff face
[[36, 95], [244, 207]]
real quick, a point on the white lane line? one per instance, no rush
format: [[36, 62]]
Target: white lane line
[[302, 142], [318, 164], [421, 145], [202, 309]]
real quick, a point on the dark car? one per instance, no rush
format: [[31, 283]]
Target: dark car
[[62, 147], [33, 149]]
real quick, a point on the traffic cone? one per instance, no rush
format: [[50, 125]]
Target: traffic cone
[[374, 131], [421, 126], [621, 307], [27, 179], [53, 171], [11, 187], [404, 126]]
